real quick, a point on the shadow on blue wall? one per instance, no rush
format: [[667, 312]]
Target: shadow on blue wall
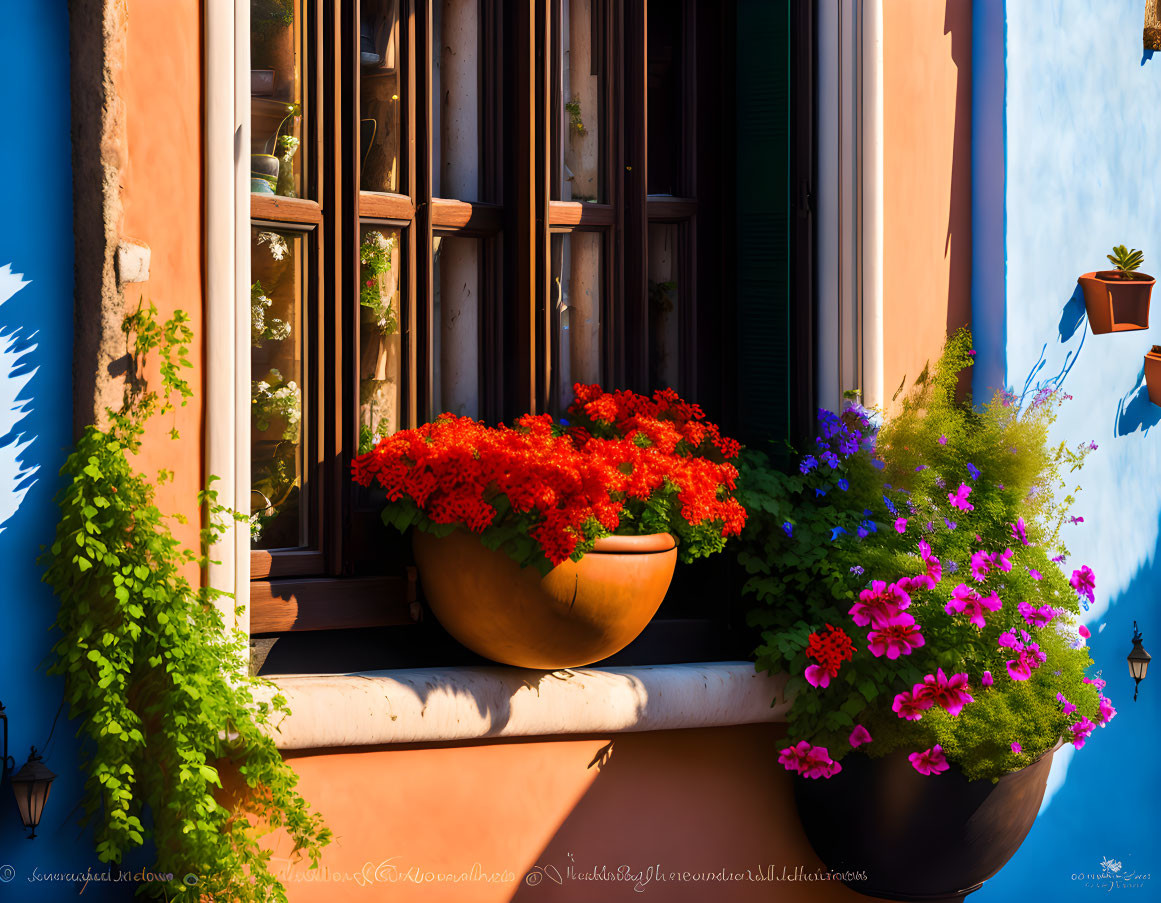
[[1135, 412]]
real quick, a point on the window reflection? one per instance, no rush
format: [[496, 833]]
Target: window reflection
[[380, 349], [456, 325], [276, 389], [379, 101], [577, 291], [276, 58]]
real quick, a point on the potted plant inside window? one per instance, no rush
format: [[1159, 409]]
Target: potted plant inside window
[[1118, 300], [551, 545], [910, 582]]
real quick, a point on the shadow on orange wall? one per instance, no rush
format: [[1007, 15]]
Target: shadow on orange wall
[[681, 815]]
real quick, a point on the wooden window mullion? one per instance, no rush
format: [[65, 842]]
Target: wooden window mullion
[[635, 250]]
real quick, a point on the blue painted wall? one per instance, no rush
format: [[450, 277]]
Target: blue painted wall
[[35, 430], [1069, 107]]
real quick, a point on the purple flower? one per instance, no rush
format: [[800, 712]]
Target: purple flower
[[1107, 712], [866, 528], [1017, 748], [951, 525], [1059, 559], [982, 562], [1019, 533], [808, 464], [973, 471], [1093, 446], [857, 570], [958, 499], [859, 736], [1035, 574], [1069, 708], [1081, 731], [1084, 582], [1077, 520], [943, 440], [830, 458], [965, 600], [788, 528], [930, 761], [817, 676], [921, 467], [940, 483], [899, 636], [901, 524], [952, 567], [889, 505]]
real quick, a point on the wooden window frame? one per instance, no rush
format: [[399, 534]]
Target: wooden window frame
[[520, 94]]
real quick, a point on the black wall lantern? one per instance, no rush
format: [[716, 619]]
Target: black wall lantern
[[30, 785], [1138, 661]]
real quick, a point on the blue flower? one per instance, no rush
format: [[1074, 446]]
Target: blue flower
[[973, 471], [951, 525], [921, 467], [830, 458], [867, 526], [836, 532], [819, 492], [952, 566], [890, 505], [788, 528], [940, 483], [877, 464], [857, 570], [808, 464], [844, 485]]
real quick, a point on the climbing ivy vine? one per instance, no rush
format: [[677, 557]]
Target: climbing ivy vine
[[159, 687]]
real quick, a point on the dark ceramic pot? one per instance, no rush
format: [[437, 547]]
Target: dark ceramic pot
[[914, 836]]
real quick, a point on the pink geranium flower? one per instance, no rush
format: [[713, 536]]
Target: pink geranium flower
[[791, 757], [859, 736], [1004, 561], [1036, 617], [951, 693], [817, 763], [1035, 574], [1097, 682], [1084, 582], [965, 600], [1084, 631], [981, 563], [898, 637], [1107, 712], [930, 761], [880, 603], [913, 584], [901, 525], [958, 499], [1019, 533], [987, 680], [906, 706], [1081, 731], [1069, 708], [817, 676], [1017, 748]]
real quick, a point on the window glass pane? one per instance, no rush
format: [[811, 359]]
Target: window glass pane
[[456, 325], [577, 290], [379, 334], [276, 55], [664, 76], [664, 309], [455, 142], [277, 435], [379, 118], [581, 103]]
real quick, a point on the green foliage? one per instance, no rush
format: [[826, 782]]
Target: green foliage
[[804, 581], [573, 108], [1125, 260], [159, 687]]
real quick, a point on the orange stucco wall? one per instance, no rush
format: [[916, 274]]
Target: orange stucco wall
[[926, 180], [511, 818], [162, 190]]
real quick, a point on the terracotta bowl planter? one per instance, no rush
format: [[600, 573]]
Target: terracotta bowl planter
[[1153, 374], [1116, 305], [580, 613], [914, 836]]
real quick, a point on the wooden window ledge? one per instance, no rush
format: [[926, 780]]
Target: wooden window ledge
[[430, 705]]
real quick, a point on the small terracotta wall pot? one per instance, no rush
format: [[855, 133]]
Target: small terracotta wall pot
[[1116, 305], [580, 613], [1153, 375], [914, 836]]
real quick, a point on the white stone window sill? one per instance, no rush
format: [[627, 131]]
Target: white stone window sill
[[433, 705]]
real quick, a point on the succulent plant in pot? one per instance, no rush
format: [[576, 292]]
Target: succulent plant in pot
[[551, 544], [934, 642], [1117, 300]]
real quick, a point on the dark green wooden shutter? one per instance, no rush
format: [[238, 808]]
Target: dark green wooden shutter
[[763, 220]]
